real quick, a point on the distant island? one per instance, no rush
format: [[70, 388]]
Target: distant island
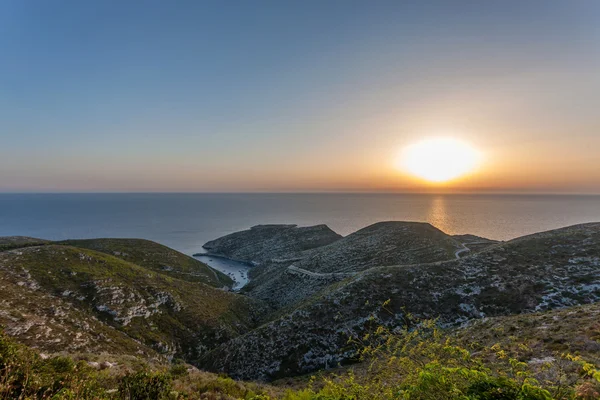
[[129, 312]]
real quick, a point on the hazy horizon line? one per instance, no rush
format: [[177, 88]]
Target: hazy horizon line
[[292, 192]]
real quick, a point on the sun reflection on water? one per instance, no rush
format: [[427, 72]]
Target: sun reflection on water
[[437, 214]]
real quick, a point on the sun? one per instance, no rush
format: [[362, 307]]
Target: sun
[[439, 160]]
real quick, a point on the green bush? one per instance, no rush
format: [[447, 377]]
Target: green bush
[[493, 389], [145, 385], [178, 370], [24, 374]]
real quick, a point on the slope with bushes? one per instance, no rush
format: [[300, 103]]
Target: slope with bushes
[[156, 257], [59, 297], [421, 363]]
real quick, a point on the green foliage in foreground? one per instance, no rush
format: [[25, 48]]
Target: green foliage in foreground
[[424, 364], [25, 375], [411, 364]]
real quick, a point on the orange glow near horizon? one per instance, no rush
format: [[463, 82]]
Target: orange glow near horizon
[[439, 160]]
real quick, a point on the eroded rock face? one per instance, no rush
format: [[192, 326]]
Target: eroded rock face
[[124, 303], [263, 243], [535, 273], [53, 322]]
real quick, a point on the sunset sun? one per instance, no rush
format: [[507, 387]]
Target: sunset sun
[[439, 160]]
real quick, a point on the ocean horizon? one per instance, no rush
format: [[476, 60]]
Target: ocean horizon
[[185, 221]]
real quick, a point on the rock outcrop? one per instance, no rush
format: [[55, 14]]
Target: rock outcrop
[[264, 243]]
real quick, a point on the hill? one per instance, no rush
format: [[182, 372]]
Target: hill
[[283, 284], [263, 243], [382, 244], [546, 335], [156, 257], [422, 363], [13, 242], [72, 299], [119, 299], [539, 272]]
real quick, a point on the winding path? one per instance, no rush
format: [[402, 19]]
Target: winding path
[[458, 252], [303, 271]]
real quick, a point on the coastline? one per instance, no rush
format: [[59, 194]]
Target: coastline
[[236, 269]]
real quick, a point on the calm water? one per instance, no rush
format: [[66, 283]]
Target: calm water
[[186, 221], [236, 270]]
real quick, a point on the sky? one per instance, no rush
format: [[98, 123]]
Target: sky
[[236, 96]]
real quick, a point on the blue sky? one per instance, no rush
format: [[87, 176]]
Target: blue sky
[[294, 95]]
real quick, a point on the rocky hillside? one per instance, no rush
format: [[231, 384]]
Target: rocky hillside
[[382, 244], [263, 243], [574, 330], [474, 243], [282, 284], [12, 242], [156, 257], [138, 298], [540, 272], [65, 298]]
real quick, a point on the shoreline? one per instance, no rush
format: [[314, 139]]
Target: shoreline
[[235, 269]]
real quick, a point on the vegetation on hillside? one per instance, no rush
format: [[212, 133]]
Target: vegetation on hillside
[[88, 309], [14, 242], [418, 363], [573, 330], [25, 374], [541, 272], [58, 297], [156, 257]]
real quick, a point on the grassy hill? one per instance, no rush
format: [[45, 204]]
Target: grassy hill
[[27, 374], [13, 242], [574, 330], [156, 257]]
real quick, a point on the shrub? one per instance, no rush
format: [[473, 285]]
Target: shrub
[[145, 385], [178, 370], [24, 374]]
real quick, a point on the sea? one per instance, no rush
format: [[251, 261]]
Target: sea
[[185, 221]]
